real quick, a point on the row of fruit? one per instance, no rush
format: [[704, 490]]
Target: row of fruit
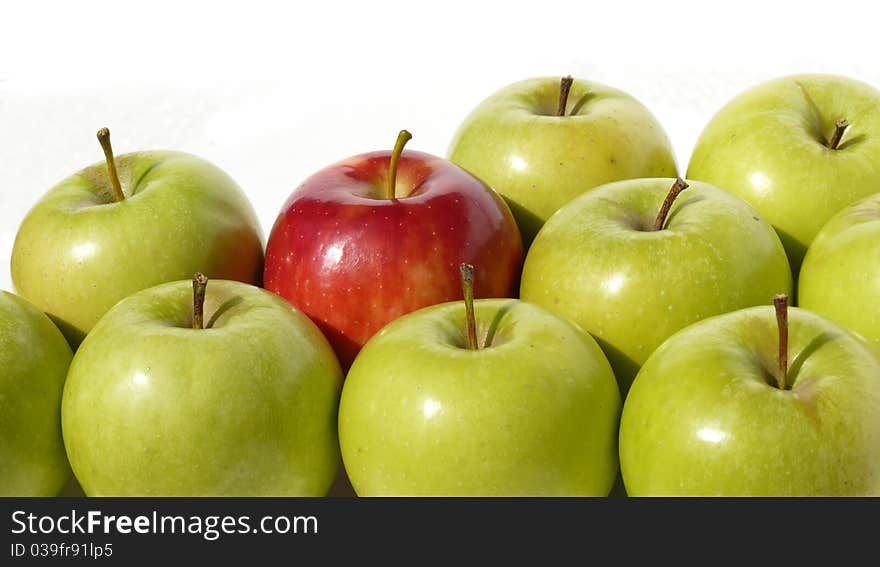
[[625, 320]]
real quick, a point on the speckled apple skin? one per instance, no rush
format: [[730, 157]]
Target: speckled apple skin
[[33, 365], [703, 418], [535, 413], [539, 161], [78, 252], [244, 407], [768, 146], [840, 277], [599, 262]]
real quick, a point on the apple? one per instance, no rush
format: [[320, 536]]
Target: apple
[[224, 391], [379, 235], [542, 142], [129, 223], [718, 410], [840, 277], [798, 149], [494, 397], [34, 358], [632, 264]]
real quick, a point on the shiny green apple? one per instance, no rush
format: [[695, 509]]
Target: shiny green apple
[[778, 146], [533, 412], [245, 406], [516, 142], [708, 416], [601, 262], [33, 365], [840, 277], [83, 246]]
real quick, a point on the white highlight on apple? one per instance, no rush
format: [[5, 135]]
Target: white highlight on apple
[[518, 163], [333, 255], [615, 283], [140, 378], [760, 182], [711, 435], [83, 251], [430, 408]]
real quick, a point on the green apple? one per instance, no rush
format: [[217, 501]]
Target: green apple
[[542, 142], [33, 365], [840, 277], [127, 224], [602, 261], [717, 410], [798, 149], [235, 398], [533, 411]]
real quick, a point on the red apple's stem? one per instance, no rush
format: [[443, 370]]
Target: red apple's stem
[[467, 286], [839, 129], [200, 283], [564, 88], [781, 304], [402, 138], [104, 139], [677, 188]]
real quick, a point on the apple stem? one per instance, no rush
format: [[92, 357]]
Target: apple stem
[[467, 286], [564, 88], [781, 303], [104, 139], [402, 138], [839, 129], [200, 283], [677, 188]]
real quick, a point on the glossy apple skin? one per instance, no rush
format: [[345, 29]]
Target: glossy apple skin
[[703, 420], [539, 162], [245, 407], [768, 146], [354, 261], [34, 358], [597, 262], [840, 277], [535, 413], [77, 252]]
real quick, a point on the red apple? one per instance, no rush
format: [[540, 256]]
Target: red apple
[[378, 235]]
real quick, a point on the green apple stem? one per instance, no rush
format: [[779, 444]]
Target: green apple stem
[[781, 304], [467, 286], [104, 139], [200, 283], [564, 88], [677, 188], [839, 129], [402, 138]]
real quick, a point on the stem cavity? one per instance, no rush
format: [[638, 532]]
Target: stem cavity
[[200, 283], [402, 138], [104, 140], [564, 88], [677, 188], [781, 303], [467, 287], [839, 130]]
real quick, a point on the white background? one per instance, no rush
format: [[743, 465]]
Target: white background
[[271, 93]]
